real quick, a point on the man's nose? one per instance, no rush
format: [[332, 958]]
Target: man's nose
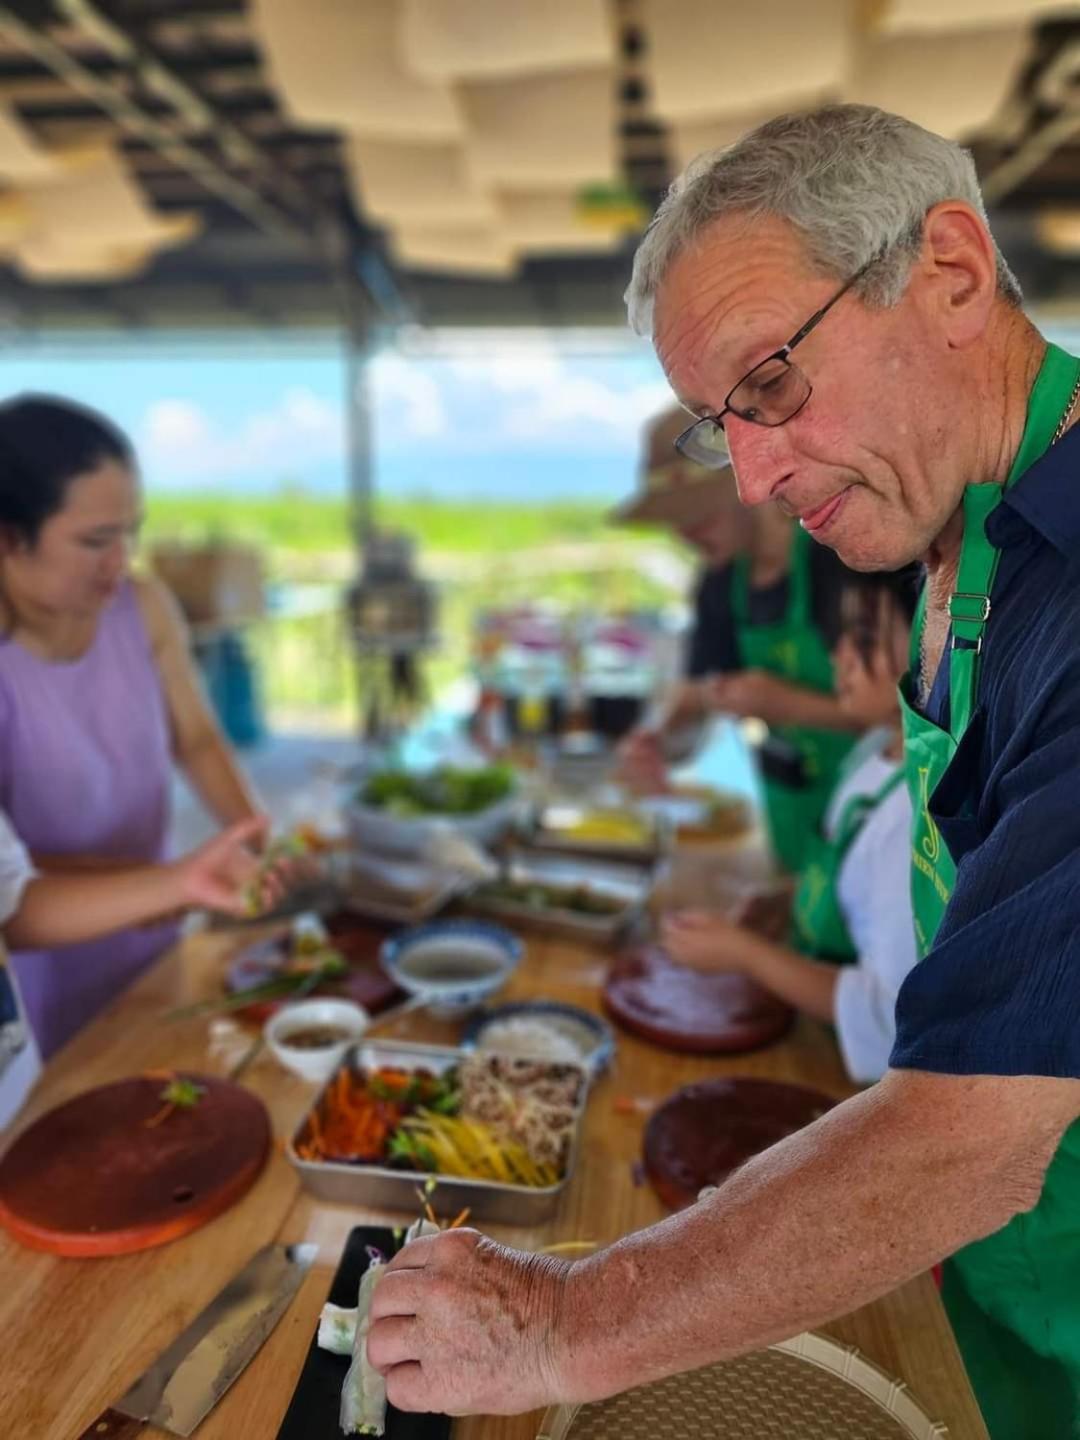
[[760, 457]]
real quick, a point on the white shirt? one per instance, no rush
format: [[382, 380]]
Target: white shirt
[[874, 891], [20, 1063]]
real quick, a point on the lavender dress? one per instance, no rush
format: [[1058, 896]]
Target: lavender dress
[[85, 769]]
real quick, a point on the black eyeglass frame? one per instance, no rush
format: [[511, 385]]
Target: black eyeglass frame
[[782, 354]]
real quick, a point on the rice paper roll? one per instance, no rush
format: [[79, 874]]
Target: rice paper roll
[[363, 1396], [337, 1329]]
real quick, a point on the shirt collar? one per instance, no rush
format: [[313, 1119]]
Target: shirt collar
[[1046, 498]]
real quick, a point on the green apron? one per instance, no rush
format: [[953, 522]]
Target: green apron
[[1013, 1298], [818, 924], [794, 649]]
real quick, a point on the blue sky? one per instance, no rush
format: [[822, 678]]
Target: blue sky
[[474, 415]]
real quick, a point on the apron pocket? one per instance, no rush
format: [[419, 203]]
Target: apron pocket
[[951, 805]]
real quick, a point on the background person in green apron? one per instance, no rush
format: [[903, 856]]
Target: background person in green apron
[[762, 608], [853, 901], [826, 296]]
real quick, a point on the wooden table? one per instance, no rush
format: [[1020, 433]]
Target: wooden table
[[77, 1332]]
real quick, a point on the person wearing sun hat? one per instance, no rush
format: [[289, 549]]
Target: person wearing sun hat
[[764, 604]]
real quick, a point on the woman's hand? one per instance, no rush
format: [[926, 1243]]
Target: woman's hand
[[707, 940], [755, 694], [641, 765], [226, 874]]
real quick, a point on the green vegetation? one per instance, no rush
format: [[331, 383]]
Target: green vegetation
[[447, 790], [295, 520], [479, 554]]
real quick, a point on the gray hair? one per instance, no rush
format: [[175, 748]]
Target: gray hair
[[855, 181]]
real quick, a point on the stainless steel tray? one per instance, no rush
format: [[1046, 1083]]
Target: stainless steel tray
[[400, 891], [558, 840], [379, 1186], [630, 885]]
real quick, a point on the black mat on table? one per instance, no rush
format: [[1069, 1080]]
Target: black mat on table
[[316, 1402]]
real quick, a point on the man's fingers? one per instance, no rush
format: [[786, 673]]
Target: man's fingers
[[393, 1341], [398, 1292], [405, 1387], [413, 1256]]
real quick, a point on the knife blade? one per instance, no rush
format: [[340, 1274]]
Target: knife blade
[[191, 1375]]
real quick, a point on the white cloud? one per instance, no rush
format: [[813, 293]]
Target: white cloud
[[409, 399], [175, 424], [179, 441], [514, 372], [515, 395], [594, 412]]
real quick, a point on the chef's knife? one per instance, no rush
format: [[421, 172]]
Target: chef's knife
[[190, 1377]]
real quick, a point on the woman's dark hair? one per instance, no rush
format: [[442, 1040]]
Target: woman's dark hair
[[45, 442], [859, 610]]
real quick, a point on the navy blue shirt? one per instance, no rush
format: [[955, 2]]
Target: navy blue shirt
[[999, 993]]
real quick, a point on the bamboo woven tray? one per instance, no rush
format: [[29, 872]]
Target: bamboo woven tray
[[808, 1388]]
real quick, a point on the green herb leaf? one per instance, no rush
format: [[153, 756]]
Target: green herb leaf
[[184, 1094]]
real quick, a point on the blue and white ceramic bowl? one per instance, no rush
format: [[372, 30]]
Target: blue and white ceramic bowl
[[453, 965], [547, 1030]]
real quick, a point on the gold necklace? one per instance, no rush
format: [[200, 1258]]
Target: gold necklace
[[1069, 408]]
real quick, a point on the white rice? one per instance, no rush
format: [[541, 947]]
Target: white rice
[[537, 1038]]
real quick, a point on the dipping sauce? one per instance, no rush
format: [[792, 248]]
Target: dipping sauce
[[451, 965], [316, 1037]]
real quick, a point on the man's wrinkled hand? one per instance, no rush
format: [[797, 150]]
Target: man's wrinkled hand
[[463, 1326]]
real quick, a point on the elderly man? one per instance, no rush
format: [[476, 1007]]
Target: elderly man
[[827, 294], [765, 602]]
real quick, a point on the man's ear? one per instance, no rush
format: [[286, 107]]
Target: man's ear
[[957, 271]]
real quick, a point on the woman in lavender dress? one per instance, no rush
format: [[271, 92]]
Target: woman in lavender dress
[[98, 694]]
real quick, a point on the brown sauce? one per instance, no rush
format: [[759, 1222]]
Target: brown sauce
[[316, 1037], [450, 966]]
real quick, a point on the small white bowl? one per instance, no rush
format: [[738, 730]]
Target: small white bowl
[[315, 1063]]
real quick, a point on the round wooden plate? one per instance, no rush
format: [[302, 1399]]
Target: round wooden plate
[[92, 1177], [703, 1132], [682, 1009]]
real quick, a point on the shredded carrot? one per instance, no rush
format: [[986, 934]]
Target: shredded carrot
[[429, 1212], [163, 1114], [460, 1219]]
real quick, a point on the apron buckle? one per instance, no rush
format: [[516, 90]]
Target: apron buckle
[[974, 646], [978, 615]]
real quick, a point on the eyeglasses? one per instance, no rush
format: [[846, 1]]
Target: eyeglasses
[[772, 393]]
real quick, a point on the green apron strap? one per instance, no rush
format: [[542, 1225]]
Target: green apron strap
[[969, 604], [819, 925], [859, 807]]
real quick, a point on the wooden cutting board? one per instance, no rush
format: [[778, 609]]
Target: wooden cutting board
[[703, 1132], [683, 1009], [93, 1177]]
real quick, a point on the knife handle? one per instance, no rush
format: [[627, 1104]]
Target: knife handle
[[112, 1425]]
